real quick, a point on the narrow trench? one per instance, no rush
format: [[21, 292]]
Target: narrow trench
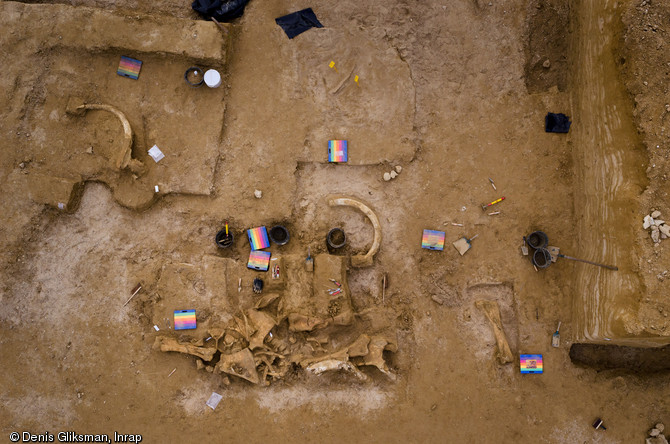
[[610, 163]]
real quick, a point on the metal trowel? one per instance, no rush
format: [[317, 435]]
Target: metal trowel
[[309, 262], [556, 337]]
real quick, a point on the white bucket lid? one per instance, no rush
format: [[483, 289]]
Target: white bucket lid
[[212, 78]]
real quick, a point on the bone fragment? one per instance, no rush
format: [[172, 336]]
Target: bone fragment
[[172, 345], [366, 259], [359, 347], [376, 355], [299, 322], [492, 312], [123, 156], [239, 364], [335, 364], [263, 323]]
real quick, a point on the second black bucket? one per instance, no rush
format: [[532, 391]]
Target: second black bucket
[[537, 240], [224, 240], [279, 235], [541, 258], [336, 238]]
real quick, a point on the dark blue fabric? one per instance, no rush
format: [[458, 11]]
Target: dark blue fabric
[[556, 123], [223, 11], [298, 22]]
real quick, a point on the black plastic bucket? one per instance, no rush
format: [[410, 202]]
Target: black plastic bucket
[[541, 258], [537, 240], [279, 235], [194, 76], [224, 240], [336, 238]]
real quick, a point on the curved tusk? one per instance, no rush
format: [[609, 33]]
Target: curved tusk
[[362, 260], [123, 158]]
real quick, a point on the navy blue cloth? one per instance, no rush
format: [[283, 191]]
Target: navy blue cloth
[[556, 123], [221, 10], [298, 22]]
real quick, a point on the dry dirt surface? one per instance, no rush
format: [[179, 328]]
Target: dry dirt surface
[[449, 95], [645, 67]]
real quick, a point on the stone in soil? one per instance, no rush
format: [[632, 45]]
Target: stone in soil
[[660, 439], [656, 214], [648, 222]]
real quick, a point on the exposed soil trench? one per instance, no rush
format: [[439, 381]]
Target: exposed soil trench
[[610, 166]]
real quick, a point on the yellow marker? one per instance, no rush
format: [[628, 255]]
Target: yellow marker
[[356, 79], [332, 65]]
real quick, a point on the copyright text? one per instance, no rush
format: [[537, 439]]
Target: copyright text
[[73, 437]]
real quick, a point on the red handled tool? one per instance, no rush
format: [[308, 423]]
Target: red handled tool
[[485, 206]]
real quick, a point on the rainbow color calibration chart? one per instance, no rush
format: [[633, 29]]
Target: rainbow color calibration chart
[[184, 320], [258, 238], [129, 67], [337, 151], [531, 363], [433, 240], [259, 260]]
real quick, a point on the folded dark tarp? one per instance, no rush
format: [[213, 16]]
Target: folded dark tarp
[[223, 11], [298, 22], [556, 123]]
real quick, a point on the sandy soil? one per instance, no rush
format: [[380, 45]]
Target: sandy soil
[[453, 92], [645, 65]]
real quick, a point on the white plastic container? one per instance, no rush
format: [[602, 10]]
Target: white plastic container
[[214, 400], [212, 78], [155, 153]]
